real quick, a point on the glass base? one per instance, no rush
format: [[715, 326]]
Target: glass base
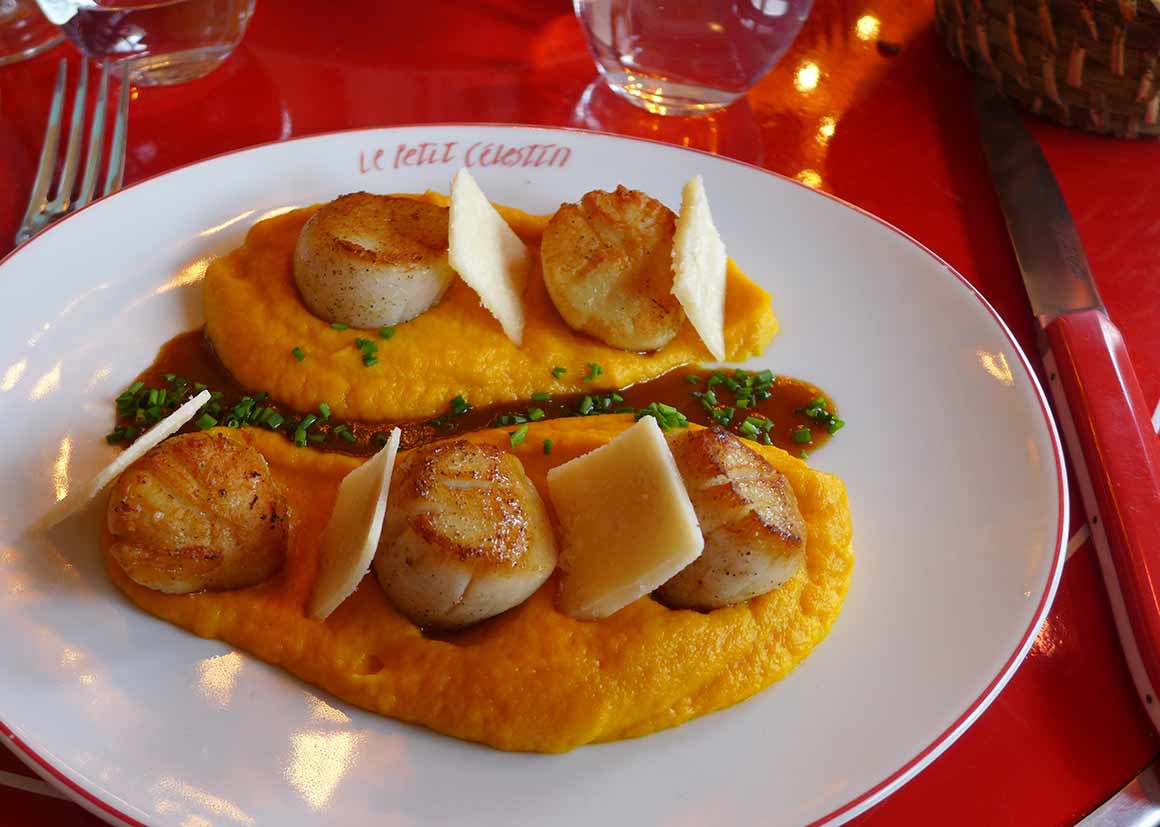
[[31, 50], [661, 96], [24, 32], [177, 67]]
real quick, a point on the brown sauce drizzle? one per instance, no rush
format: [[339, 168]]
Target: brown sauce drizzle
[[191, 356]]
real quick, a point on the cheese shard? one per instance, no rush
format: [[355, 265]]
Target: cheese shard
[[81, 496], [699, 267], [626, 522], [488, 255], [351, 536]]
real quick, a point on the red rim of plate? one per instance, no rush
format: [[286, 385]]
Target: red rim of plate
[[878, 791]]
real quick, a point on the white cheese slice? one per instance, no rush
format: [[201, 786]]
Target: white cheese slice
[[626, 522], [82, 495], [699, 267], [351, 536], [488, 255]]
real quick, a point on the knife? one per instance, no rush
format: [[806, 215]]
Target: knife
[[1098, 402], [1137, 805]]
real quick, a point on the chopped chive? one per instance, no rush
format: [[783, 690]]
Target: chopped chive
[[298, 354], [204, 422], [368, 348], [747, 429], [558, 371], [541, 397], [836, 425], [547, 446], [307, 421], [380, 438], [317, 438], [198, 387], [764, 438], [518, 435], [386, 332], [666, 416], [169, 377], [275, 420], [339, 325], [324, 410], [585, 406], [692, 378], [802, 435], [136, 386], [803, 455], [345, 433], [594, 370], [115, 436], [535, 414], [459, 406]]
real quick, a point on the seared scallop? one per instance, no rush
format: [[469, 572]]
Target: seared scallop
[[466, 535], [607, 264], [373, 260], [199, 511], [755, 536]]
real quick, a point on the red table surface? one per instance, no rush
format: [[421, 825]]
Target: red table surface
[[889, 129]]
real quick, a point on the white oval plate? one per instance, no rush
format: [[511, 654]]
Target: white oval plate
[[951, 460]]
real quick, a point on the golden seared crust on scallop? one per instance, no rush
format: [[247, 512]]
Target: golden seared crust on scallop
[[755, 535], [199, 511], [373, 260], [607, 264], [466, 535]]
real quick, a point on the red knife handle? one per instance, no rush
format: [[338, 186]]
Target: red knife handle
[[1111, 432]]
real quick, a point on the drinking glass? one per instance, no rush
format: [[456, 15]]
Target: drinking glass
[[23, 31], [157, 41], [688, 56]]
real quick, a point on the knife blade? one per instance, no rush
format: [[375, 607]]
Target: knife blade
[[1136, 805], [1097, 398], [1047, 246]]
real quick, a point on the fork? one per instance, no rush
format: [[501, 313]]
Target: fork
[[42, 211]]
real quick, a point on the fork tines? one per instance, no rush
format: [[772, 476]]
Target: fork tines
[[42, 210]]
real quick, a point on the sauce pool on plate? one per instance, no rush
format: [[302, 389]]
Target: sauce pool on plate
[[774, 410]]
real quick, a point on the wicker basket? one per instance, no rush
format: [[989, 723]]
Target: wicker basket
[[1089, 65]]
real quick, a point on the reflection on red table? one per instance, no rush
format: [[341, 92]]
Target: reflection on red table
[[868, 106]]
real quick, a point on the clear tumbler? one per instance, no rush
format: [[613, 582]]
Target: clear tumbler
[[688, 56], [157, 41]]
